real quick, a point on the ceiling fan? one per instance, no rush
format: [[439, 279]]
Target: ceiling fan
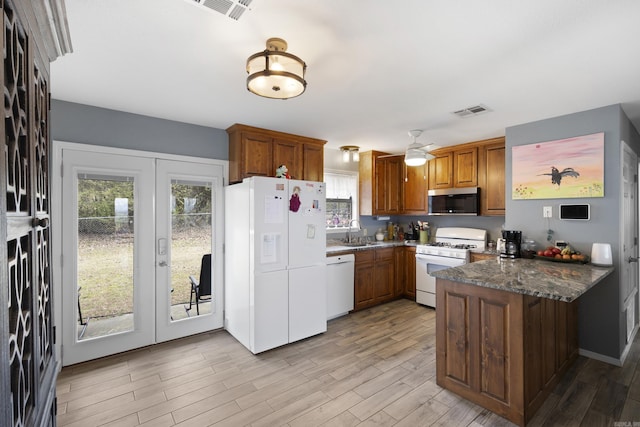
[[418, 154]]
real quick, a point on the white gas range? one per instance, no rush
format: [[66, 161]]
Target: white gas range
[[451, 248]]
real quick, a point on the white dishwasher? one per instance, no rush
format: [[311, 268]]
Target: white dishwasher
[[340, 270]]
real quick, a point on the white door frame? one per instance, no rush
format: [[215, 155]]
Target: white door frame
[[629, 272], [57, 149]]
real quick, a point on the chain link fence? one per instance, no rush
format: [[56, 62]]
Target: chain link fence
[[105, 269], [123, 224]]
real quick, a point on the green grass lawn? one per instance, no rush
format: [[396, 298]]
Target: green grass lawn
[[105, 270]]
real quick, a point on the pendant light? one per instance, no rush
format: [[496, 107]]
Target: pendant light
[[274, 73], [417, 154]]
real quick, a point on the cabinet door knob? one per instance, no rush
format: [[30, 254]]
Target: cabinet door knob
[[40, 222]]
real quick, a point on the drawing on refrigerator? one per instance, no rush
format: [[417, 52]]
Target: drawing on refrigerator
[[275, 261]]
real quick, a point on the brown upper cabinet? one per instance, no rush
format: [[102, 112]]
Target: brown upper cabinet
[[368, 181], [259, 152], [289, 153], [454, 168], [465, 167], [414, 194], [441, 170], [313, 161], [389, 187], [491, 177]]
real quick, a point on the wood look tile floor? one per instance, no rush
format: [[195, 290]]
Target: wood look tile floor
[[374, 367]]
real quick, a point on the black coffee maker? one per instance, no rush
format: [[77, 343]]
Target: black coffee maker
[[512, 242]]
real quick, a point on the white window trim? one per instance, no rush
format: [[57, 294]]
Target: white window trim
[[356, 199]]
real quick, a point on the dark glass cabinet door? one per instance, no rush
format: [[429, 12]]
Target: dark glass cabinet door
[[28, 364]]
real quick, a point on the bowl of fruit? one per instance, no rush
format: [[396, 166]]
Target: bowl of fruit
[[565, 254]]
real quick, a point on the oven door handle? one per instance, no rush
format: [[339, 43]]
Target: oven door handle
[[438, 260]]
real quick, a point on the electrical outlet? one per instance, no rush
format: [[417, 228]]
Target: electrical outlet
[[547, 212]]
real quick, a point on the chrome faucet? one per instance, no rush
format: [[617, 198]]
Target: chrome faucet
[[349, 230]]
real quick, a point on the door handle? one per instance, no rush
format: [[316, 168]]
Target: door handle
[[632, 259], [162, 246], [163, 264], [40, 222]]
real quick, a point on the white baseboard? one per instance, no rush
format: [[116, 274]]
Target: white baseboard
[[601, 357], [625, 353], [608, 359]]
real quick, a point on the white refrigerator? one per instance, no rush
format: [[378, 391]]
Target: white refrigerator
[[275, 261]]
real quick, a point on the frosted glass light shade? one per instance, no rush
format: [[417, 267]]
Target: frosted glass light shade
[[416, 156], [274, 73]]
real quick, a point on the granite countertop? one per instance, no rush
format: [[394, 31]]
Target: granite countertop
[[341, 247], [547, 279], [485, 252]]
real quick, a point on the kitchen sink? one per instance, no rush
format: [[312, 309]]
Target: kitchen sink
[[360, 244], [354, 244]]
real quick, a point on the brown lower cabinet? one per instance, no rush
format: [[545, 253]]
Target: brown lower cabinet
[[476, 256], [400, 256], [410, 272], [374, 277], [502, 350], [384, 274]]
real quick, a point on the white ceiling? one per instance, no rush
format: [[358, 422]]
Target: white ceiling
[[375, 69]]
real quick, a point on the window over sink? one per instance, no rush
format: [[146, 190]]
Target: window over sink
[[342, 199]]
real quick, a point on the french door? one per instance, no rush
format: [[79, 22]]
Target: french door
[[134, 230], [188, 207]]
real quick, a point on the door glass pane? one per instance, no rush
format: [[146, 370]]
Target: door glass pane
[[105, 255], [191, 244]]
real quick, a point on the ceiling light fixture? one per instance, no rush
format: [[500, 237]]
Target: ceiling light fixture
[[350, 152], [274, 73], [417, 154]]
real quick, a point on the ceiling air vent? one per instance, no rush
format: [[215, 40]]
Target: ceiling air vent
[[231, 8], [472, 111]]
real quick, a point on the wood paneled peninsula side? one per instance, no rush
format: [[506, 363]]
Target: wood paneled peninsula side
[[506, 330]]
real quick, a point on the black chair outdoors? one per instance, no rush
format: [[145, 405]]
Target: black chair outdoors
[[201, 289]]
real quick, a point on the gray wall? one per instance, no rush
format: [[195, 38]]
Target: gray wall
[[601, 327], [493, 224], [85, 124]]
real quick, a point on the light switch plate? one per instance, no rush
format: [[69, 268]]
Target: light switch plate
[[547, 212]]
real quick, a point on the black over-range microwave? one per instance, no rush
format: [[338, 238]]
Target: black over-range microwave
[[454, 201]]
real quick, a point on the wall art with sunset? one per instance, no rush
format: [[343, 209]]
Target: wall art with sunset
[[565, 168]]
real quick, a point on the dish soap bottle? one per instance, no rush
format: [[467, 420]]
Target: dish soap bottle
[[390, 231]]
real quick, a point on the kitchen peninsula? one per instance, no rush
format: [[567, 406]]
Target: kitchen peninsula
[[506, 330]]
